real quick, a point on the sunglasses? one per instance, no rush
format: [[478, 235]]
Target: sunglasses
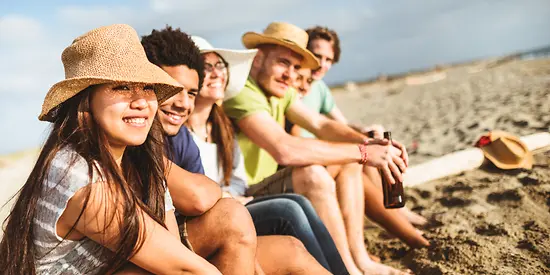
[[220, 66]]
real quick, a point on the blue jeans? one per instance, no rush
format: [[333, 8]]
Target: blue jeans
[[293, 215]]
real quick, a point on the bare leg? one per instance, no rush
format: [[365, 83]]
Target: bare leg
[[286, 255], [375, 178], [316, 184], [349, 188], [226, 237], [390, 219]]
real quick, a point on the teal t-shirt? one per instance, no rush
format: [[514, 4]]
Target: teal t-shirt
[[319, 100]]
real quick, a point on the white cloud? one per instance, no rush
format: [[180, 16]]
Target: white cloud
[[30, 59], [19, 31], [79, 19]]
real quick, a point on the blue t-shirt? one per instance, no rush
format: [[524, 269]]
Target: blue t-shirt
[[184, 152]]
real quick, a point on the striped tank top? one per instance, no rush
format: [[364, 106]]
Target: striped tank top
[[53, 255]]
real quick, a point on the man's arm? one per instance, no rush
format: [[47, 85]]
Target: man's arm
[[321, 126], [264, 131], [337, 115], [261, 129], [193, 194], [332, 130]]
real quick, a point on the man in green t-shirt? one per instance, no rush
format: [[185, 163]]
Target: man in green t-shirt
[[259, 112]]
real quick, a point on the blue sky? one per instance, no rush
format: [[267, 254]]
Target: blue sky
[[377, 37]]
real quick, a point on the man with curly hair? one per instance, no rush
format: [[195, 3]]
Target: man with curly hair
[[219, 230]]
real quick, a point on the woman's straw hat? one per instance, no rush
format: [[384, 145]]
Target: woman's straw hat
[[505, 150], [239, 62], [105, 55], [286, 35]]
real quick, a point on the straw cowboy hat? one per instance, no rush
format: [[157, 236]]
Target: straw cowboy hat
[[105, 55], [239, 62], [286, 35], [505, 151]]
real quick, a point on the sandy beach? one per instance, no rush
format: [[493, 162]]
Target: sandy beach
[[484, 221]]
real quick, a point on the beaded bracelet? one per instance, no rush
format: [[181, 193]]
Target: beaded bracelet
[[363, 150]]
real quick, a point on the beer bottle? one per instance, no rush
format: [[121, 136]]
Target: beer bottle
[[394, 196]]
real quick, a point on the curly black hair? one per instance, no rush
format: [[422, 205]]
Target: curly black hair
[[172, 47]]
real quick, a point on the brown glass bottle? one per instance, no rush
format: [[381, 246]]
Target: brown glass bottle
[[394, 195]]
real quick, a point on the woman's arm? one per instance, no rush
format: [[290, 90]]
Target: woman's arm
[[172, 224], [101, 221]]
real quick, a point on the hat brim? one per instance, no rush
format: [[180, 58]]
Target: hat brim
[[239, 63], [492, 154], [525, 163], [251, 40], [148, 73]]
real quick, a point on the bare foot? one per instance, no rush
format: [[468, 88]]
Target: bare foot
[[412, 217], [382, 269], [387, 235]]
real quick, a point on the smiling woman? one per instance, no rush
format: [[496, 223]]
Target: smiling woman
[[124, 111], [96, 200]]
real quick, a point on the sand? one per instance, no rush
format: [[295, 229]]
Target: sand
[[481, 222], [14, 170], [485, 221]]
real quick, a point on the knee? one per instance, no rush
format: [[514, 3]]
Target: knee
[[291, 212], [292, 244], [295, 250], [235, 223], [301, 200], [314, 178]]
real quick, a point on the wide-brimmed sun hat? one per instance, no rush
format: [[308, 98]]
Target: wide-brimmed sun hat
[[239, 63], [286, 35], [104, 55], [505, 150]]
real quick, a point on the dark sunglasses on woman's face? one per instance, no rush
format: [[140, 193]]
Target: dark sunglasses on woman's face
[[220, 66]]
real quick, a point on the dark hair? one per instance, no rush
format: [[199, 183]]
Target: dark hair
[[169, 47], [327, 34], [223, 136], [137, 184]]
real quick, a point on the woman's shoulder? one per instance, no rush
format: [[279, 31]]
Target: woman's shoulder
[[71, 170]]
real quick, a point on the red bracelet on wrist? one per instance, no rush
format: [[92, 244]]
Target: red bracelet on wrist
[[364, 154]]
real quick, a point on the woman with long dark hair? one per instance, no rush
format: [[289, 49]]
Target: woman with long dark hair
[[96, 200]]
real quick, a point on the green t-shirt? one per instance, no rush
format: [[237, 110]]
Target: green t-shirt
[[251, 100], [320, 100]]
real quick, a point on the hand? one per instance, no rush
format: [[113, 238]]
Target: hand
[[387, 159], [376, 128], [404, 155], [244, 200]]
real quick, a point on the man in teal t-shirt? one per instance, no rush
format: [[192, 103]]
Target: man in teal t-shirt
[[319, 99]]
